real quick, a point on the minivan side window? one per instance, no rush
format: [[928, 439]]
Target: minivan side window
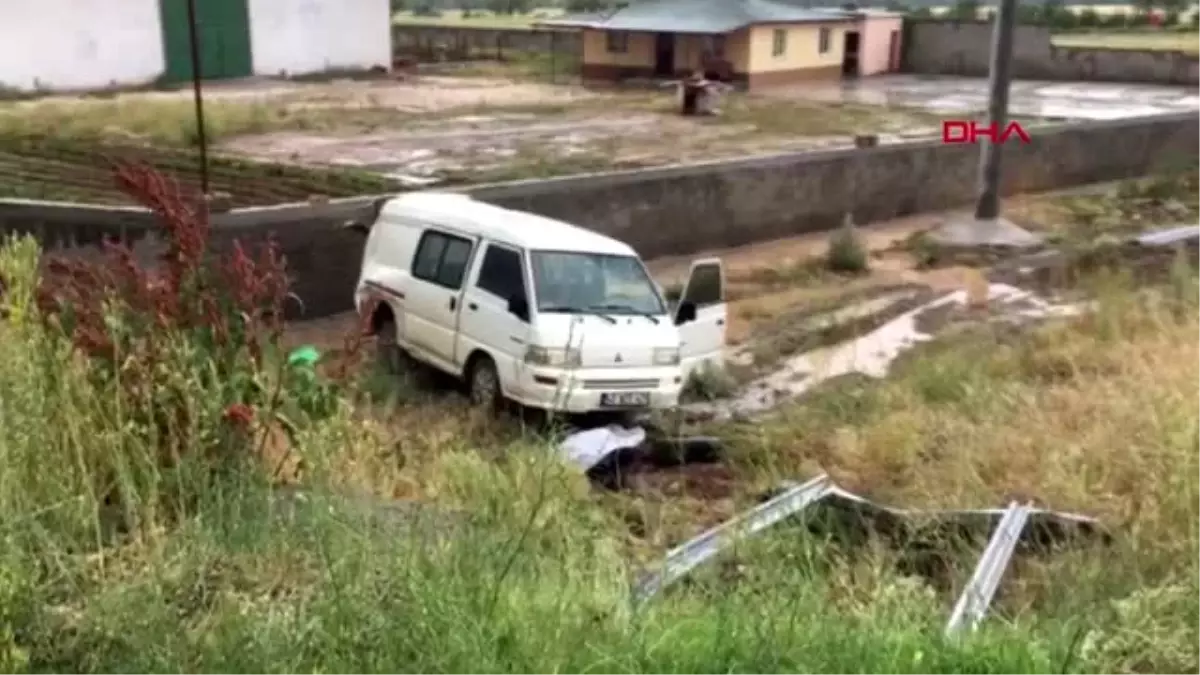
[[442, 259], [501, 273]]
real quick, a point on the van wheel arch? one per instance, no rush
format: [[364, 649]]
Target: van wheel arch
[[382, 315]]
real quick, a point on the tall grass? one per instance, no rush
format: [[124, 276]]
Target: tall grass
[[510, 563]]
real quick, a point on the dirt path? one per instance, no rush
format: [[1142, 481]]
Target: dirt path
[[758, 274]]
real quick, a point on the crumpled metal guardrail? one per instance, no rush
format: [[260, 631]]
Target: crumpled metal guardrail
[[1011, 526]]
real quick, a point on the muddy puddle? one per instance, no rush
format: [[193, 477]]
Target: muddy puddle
[[872, 353]]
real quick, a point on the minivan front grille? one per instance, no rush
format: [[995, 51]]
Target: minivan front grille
[[620, 384]]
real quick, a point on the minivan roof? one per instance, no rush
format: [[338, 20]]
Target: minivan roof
[[517, 228]]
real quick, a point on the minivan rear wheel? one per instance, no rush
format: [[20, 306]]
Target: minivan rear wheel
[[483, 383], [387, 349]]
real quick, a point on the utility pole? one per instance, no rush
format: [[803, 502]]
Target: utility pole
[[1000, 77], [987, 228], [197, 95]]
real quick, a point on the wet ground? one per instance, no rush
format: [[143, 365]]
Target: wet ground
[[1058, 100], [450, 129]]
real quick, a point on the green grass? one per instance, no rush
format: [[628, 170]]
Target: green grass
[[172, 121], [527, 569], [214, 571], [201, 564], [67, 170]]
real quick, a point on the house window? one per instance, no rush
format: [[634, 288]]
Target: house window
[[616, 42], [778, 42], [716, 45], [823, 41]]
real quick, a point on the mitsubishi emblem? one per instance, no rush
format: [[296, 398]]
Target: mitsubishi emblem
[[618, 358]]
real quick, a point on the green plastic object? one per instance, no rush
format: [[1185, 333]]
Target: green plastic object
[[305, 356]]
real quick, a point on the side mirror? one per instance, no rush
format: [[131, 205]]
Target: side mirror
[[685, 313], [518, 306]]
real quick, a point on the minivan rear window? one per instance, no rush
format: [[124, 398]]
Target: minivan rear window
[[442, 259]]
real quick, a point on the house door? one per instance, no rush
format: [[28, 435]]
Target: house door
[[894, 51], [223, 33], [850, 55], [664, 54]]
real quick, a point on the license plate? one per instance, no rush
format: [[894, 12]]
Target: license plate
[[625, 399]]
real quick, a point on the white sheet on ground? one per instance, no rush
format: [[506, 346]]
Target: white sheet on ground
[[586, 449]]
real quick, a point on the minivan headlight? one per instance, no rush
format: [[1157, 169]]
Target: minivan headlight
[[553, 356], [666, 356]]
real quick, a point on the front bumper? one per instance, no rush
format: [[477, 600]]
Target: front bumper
[[579, 391]]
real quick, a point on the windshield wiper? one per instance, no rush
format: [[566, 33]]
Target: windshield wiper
[[577, 310], [627, 308]]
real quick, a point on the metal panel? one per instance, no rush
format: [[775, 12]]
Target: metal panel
[[1169, 236], [223, 30], [975, 599], [1013, 525], [686, 557]]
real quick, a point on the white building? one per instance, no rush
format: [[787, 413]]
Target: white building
[[63, 45]]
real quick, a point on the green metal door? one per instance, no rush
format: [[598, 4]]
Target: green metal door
[[223, 33]]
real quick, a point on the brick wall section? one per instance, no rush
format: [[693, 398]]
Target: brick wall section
[[685, 209], [934, 46]]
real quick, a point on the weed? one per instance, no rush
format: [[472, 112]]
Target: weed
[[708, 384], [846, 252]]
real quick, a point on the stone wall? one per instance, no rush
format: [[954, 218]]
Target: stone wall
[[684, 209], [456, 43], [946, 47]]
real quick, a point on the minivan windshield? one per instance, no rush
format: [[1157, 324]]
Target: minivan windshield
[[570, 281]]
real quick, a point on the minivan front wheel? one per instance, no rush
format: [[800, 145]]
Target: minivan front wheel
[[483, 383]]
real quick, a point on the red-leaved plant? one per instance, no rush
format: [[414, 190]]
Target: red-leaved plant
[[196, 324]]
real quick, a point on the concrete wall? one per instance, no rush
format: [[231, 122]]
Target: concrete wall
[[293, 37], [323, 259], [61, 45], [686, 209], [875, 46], [423, 41], [679, 210], [963, 48]]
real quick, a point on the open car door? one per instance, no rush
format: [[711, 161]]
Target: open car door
[[702, 340]]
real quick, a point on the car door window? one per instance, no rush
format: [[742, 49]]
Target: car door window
[[501, 274], [442, 259], [704, 287]]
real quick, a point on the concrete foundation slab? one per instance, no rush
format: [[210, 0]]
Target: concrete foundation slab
[[968, 231]]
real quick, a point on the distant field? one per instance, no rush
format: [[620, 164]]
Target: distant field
[[477, 19], [1185, 42], [1102, 10]]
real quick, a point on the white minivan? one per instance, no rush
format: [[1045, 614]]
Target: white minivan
[[531, 309]]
